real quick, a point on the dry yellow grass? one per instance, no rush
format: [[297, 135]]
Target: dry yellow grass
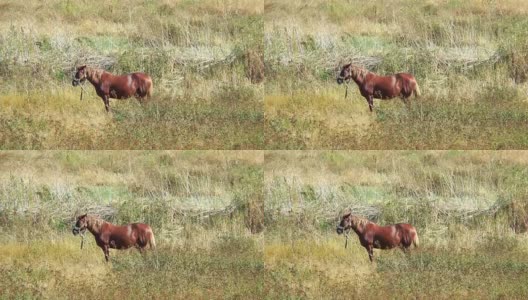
[[326, 257], [469, 208], [205, 96], [197, 202], [469, 58]]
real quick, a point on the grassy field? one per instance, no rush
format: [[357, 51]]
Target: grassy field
[[205, 209], [470, 59], [205, 58], [470, 210]]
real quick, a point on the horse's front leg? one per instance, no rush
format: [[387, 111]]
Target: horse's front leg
[[106, 100], [370, 250], [370, 101], [106, 252]]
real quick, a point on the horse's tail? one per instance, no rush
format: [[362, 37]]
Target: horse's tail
[[416, 91], [416, 240], [149, 87], [150, 239]]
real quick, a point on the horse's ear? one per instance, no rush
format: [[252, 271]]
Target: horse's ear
[[83, 216], [81, 67], [347, 215]]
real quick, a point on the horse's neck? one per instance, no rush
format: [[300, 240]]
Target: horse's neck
[[95, 76], [361, 228], [93, 80], [359, 81], [95, 226]]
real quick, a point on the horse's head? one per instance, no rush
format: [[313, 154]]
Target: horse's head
[[345, 224], [345, 74], [80, 76], [81, 225]]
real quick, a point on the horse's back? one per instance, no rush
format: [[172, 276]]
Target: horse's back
[[136, 84], [133, 234], [141, 227], [405, 227], [396, 235], [384, 237], [140, 76], [406, 76], [381, 87]]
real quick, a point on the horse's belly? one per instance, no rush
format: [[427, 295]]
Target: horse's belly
[[384, 243], [117, 93], [383, 246], [120, 244], [384, 94]]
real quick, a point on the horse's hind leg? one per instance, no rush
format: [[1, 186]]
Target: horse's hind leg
[[406, 100], [139, 95], [141, 249], [143, 99]]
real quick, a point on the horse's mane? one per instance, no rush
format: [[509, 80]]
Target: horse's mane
[[359, 222], [358, 71], [94, 73], [95, 222]]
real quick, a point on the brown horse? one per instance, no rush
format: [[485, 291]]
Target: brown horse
[[109, 86], [109, 236], [373, 236], [372, 86]]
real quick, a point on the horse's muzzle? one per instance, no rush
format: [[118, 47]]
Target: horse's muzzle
[[339, 230], [340, 80], [76, 81], [76, 230]]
